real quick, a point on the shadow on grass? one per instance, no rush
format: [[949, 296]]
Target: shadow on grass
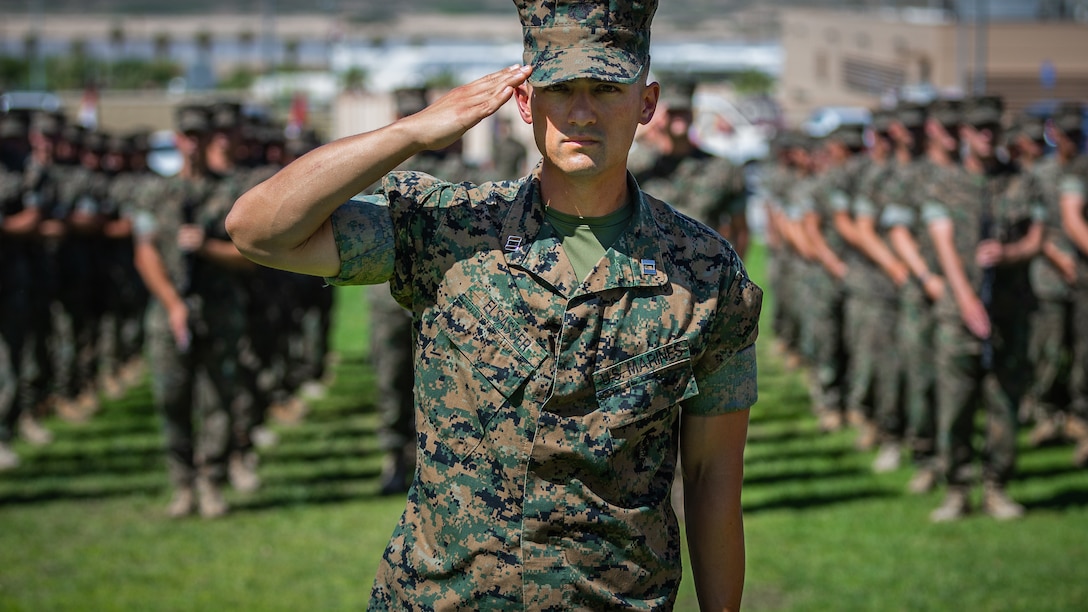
[[804, 474], [277, 500], [1064, 499], [809, 501], [789, 435], [40, 493], [765, 455]]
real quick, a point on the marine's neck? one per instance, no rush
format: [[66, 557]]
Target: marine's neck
[[594, 196]]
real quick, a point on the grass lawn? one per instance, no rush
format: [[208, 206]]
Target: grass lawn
[[82, 525]]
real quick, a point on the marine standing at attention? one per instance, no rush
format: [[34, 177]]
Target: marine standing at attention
[[571, 333]]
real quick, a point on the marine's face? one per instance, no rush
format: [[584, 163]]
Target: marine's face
[[585, 127], [679, 122], [980, 140]]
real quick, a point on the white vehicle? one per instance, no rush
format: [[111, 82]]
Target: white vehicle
[[29, 101], [722, 129], [826, 119]]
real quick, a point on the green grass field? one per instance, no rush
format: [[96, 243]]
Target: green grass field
[[82, 524]]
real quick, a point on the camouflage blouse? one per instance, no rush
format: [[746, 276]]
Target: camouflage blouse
[[547, 408], [1001, 205]]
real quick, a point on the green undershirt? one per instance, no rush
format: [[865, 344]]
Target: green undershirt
[[586, 239]]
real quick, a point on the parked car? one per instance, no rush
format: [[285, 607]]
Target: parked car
[[15, 101], [722, 129], [827, 119]]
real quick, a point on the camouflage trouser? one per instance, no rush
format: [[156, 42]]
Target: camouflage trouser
[[193, 391], [391, 355], [874, 370], [773, 273], [963, 386], [915, 344], [120, 336], [12, 333], [823, 340], [1049, 350], [1078, 376]]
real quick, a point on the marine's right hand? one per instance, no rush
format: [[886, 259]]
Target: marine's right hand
[[448, 118], [178, 317]]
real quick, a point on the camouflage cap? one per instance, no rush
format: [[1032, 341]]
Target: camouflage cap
[[947, 112], [910, 115], [225, 115], [1030, 126], [881, 120], [12, 126], [73, 133], [47, 124], [192, 118], [849, 135], [677, 93], [1069, 117], [139, 140], [981, 111], [118, 144], [95, 141], [607, 40]]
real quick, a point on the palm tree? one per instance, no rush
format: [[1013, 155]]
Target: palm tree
[[204, 41], [290, 52], [117, 39], [247, 39]]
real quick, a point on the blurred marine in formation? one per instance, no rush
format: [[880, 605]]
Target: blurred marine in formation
[[945, 241]]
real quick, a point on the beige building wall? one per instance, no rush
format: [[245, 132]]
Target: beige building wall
[[857, 59]]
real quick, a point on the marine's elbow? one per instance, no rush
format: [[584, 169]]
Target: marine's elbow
[[241, 225]]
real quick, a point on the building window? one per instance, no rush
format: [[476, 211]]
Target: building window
[[821, 66], [867, 77]]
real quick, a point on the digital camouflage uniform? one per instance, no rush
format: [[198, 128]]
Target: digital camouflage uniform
[[192, 388], [824, 306], [38, 260], [774, 187], [76, 306], [547, 408], [122, 329], [1014, 201], [705, 187], [916, 322], [391, 350], [11, 296], [1078, 406], [798, 270], [1050, 345], [872, 311]]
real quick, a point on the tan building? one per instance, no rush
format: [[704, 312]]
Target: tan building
[[840, 58]]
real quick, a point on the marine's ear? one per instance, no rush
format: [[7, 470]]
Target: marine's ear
[[523, 94]]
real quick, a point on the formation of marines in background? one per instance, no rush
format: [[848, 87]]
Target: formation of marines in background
[[927, 265], [931, 266], [109, 271]]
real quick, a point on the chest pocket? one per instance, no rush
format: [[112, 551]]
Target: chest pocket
[[638, 404], [478, 358]]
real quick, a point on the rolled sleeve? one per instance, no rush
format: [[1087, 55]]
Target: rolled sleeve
[[1072, 185], [933, 210], [363, 230], [730, 388], [896, 215], [143, 224]]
